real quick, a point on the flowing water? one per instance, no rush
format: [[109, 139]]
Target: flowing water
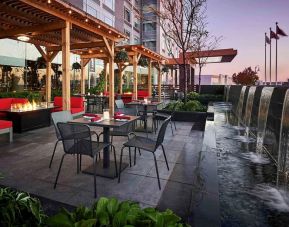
[[252, 191]]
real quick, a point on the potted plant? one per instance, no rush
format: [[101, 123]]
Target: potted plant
[[143, 62], [121, 56], [76, 66], [165, 69]]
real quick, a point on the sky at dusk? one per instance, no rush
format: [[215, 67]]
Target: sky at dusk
[[242, 24]]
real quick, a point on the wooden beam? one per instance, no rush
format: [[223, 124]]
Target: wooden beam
[[99, 56], [33, 30], [52, 55], [108, 46], [79, 46], [41, 51], [111, 80], [105, 75], [66, 66], [135, 79], [150, 78]]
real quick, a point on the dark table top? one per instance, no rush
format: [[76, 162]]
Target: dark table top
[[112, 123]]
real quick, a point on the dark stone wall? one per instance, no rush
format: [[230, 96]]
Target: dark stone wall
[[234, 95], [212, 89], [255, 108], [245, 101]]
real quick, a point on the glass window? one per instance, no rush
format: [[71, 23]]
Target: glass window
[[109, 3], [108, 20], [127, 15]]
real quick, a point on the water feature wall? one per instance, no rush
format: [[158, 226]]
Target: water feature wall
[[262, 107]]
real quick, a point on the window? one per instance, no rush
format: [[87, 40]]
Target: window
[[108, 20], [136, 23], [127, 15], [149, 27], [136, 40], [127, 32], [91, 11], [109, 3]]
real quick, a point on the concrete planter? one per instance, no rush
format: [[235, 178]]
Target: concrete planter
[[187, 116]]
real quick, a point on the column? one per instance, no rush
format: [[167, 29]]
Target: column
[[150, 78], [111, 80], [120, 83], [66, 66], [105, 75], [48, 81], [135, 82], [159, 83], [82, 80]]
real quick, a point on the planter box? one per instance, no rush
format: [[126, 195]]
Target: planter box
[[187, 116]]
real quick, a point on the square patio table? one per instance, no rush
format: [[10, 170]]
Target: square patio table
[[145, 114], [107, 169]]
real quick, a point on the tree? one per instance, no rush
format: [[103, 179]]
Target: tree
[[178, 21], [246, 77], [205, 43]]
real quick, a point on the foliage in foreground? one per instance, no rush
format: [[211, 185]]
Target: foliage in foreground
[[192, 105], [20, 209], [111, 212]]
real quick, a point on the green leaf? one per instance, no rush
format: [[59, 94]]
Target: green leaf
[[119, 219], [60, 220], [86, 223], [101, 204], [112, 206], [103, 218], [160, 222]]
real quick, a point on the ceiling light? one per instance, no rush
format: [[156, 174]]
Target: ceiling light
[[126, 63], [109, 32], [70, 11], [98, 26], [86, 19], [23, 38], [49, 1]]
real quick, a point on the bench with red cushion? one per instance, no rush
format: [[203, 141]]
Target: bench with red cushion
[[77, 106], [5, 104], [6, 127]]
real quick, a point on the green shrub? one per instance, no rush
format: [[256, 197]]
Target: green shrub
[[111, 212], [36, 96], [205, 98], [192, 105], [19, 209], [193, 96]]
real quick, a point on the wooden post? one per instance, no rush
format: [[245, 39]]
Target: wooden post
[[111, 80], [135, 82], [159, 83], [105, 75], [66, 66], [83, 63], [120, 83], [150, 78], [172, 76], [48, 81]]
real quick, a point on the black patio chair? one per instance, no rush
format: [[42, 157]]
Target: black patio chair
[[158, 116], [147, 144], [62, 116], [76, 139], [122, 108]]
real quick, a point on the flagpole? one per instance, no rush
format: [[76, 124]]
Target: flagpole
[[265, 59], [270, 56], [276, 53]]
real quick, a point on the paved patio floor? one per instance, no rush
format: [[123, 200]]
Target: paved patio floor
[[24, 164]]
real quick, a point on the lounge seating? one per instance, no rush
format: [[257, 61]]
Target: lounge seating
[[77, 106], [7, 127], [5, 104]]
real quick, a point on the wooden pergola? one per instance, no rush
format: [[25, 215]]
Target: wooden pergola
[[54, 26], [135, 52]]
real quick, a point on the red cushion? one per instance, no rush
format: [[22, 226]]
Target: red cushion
[[58, 101], [5, 103], [5, 124], [57, 109], [76, 110], [76, 102], [19, 100], [142, 93]]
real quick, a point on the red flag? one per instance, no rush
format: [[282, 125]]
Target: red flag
[[279, 31], [268, 41], [273, 35]]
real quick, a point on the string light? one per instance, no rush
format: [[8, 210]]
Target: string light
[[109, 31], [98, 26], [49, 1], [70, 11], [86, 19]]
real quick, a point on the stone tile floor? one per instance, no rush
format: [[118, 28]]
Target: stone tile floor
[[24, 163]]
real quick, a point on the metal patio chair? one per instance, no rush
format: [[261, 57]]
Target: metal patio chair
[[147, 144], [62, 116], [157, 117], [76, 140]]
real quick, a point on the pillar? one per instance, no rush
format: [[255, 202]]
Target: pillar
[[105, 75], [135, 82], [120, 83], [48, 81], [111, 80], [159, 84], [150, 78], [66, 66], [82, 80]]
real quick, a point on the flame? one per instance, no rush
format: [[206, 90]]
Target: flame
[[24, 106]]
